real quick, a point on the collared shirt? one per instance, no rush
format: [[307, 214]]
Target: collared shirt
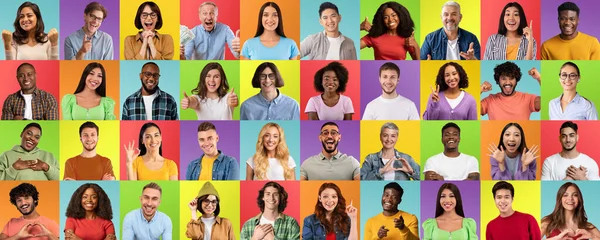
[[374, 162], [495, 49], [135, 226], [259, 108], [436, 44], [224, 168], [339, 167], [579, 108], [163, 43], [316, 47], [102, 46], [285, 227], [43, 106], [210, 45], [164, 107]]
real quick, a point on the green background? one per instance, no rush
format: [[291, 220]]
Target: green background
[[12, 135]]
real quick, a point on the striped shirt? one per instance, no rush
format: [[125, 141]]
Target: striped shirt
[[164, 107], [495, 49], [286, 227], [43, 106]]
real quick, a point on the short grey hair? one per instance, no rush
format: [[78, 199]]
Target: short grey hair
[[451, 4], [389, 125], [210, 3]]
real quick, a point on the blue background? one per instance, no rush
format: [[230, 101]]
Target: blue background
[[589, 192]]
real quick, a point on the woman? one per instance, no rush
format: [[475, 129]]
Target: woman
[[332, 218], [511, 159], [89, 101], [269, 42], [392, 33], [450, 101], [148, 163], [89, 215], [331, 82], [148, 44], [514, 40], [212, 99], [450, 221], [210, 225], [272, 160], [29, 42], [570, 105], [569, 220]]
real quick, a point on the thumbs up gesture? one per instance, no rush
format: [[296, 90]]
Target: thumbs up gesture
[[411, 42], [232, 100], [185, 102], [470, 54], [235, 43], [365, 25]]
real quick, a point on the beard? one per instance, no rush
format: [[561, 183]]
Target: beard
[[30, 211], [328, 150], [148, 90], [569, 149], [89, 149]]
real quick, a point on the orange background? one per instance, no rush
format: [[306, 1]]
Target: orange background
[[47, 204], [46, 77], [310, 196], [588, 131], [290, 12], [308, 69], [249, 193], [490, 133], [70, 74]]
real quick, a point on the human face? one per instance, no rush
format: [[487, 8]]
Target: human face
[[213, 80], [27, 19], [208, 141], [451, 77], [30, 138], [330, 137], [389, 81], [152, 139], [93, 20], [270, 19], [271, 198], [149, 76], [447, 200], [267, 80], [208, 16], [328, 199], [330, 81], [512, 19], [503, 201], [570, 199], [271, 139], [94, 79], [450, 138], [388, 138], [512, 139], [568, 21], [150, 200], [207, 204], [330, 20], [148, 18], [89, 138], [568, 139], [569, 77], [451, 18], [508, 85], [390, 199], [89, 200], [390, 19], [26, 77], [25, 205]]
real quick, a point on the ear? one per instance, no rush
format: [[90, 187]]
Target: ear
[[217, 139]]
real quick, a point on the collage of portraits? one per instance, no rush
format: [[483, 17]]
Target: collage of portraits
[[357, 119]]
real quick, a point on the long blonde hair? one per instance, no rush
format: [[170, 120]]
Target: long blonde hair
[[282, 154]]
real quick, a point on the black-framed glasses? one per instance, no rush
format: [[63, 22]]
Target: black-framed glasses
[[149, 74], [24, 76], [572, 76], [152, 15], [93, 17], [332, 133], [213, 202], [270, 75]]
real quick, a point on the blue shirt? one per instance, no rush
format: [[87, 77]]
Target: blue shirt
[[135, 226], [436, 43], [259, 108], [579, 108], [210, 45], [224, 168], [313, 229], [102, 46], [284, 50]]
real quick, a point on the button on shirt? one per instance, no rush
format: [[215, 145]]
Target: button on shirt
[[578, 109], [259, 108], [210, 45], [135, 226], [102, 46]]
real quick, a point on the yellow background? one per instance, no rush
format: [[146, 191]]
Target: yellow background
[[289, 70], [229, 199], [409, 138], [431, 12], [107, 146]]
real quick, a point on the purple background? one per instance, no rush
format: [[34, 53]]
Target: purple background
[[71, 20], [310, 144], [370, 88], [469, 192], [588, 18], [229, 145]]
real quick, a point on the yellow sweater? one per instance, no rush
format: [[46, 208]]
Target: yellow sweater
[[410, 231], [582, 47]]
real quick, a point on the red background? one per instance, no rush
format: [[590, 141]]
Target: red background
[[46, 77], [588, 138], [249, 192]]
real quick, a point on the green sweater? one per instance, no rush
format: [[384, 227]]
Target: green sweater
[[7, 172]]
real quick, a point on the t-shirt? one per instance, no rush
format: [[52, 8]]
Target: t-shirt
[[316, 104], [380, 109], [388, 176], [286, 49], [82, 168], [457, 168], [207, 167], [334, 48], [14, 225], [518, 226], [28, 109], [208, 224], [275, 170], [452, 50], [582, 47], [387, 47], [168, 169], [519, 106], [214, 109], [148, 104], [90, 229], [555, 167]]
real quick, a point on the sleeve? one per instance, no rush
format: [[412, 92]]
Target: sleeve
[[193, 230], [69, 50], [67, 106], [368, 113], [484, 105], [595, 50], [250, 162], [53, 172], [125, 111], [368, 172], [534, 52], [70, 224], [109, 108], [430, 164], [411, 229], [246, 49], [173, 107], [295, 110], [52, 51], [432, 111], [471, 229], [128, 233], [7, 113], [70, 169], [428, 226], [109, 54], [531, 102], [303, 172], [243, 114], [426, 48], [310, 106], [109, 227], [167, 48], [294, 231], [488, 232], [12, 53], [293, 49], [348, 105], [547, 170], [534, 228], [188, 171], [592, 114], [291, 162], [190, 47], [247, 230], [544, 52], [473, 165], [356, 165], [529, 173], [305, 47], [307, 233], [7, 172], [477, 48], [229, 38], [416, 176], [496, 173], [234, 170], [472, 112], [173, 169], [414, 113], [168, 233], [230, 232], [368, 40], [129, 49], [108, 168], [52, 111], [487, 55]]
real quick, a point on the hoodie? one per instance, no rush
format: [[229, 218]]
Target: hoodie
[[7, 172]]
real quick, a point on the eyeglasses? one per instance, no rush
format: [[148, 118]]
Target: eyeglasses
[[149, 74], [332, 133], [152, 15], [270, 75], [94, 18], [24, 76], [571, 76], [213, 202]]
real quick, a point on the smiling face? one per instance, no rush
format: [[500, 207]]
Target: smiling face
[[93, 20], [388, 138], [330, 81], [270, 18], [25, 205], [26, 77], [27, 19], [389, 81], [89, 138], [208, 16], [512, 19], [213, 80], [512, 139], [271, 198], [390, 19], [451, 77], [329, 199], [570, 199], [330, 137], [89, 200], [152, 139], [330, 20], [390, 199], [507, 85], [569, 77], [451, 18], [271, 139], [447, 200], [208, 141], [30, 138], [148, 18], [94, 79], [150, 200], [150, 76], [267, 81], [503, 201], [207, 204], [568, 21], [568, 139], [450, 139]]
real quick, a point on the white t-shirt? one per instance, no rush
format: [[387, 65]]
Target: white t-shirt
[[388, 176], [148, 104], [457, 168], [334, 48], [454, 102], [264, 220], [399, 108], [452, 50], [555, 167], [275, 170], [316, 104], [214, 109], [208, 224], [28, 109]]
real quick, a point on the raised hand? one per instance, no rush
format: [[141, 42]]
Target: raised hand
[[181, 52], [53, 37], [528, 32], [193, 205], [399, 223], [7, 38], [382, 232], [486, 86], [365, 25], [470, 54], [435, 94], [131, 152], [410, 42], [185, 102], [529, 155], [351, 211], [534, 73], [428, 56], [87, 44], [232, 100], [235, 43], [496, 153]]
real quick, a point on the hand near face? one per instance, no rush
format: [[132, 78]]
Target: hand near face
[[496, 153], [131, 152], [399, 223], [235, 43], [382, 232], [232, 100], [528, 32], [351, 211], [470, 54], [529, 155], [193, 205], [435, 97], [87, 44], [486, 86], [365, 25], [53, 37], [7, 37]]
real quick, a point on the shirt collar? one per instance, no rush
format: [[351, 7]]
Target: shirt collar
[[95, 35], [139, 92], [396, 153], [334, 157], [257, 218], [275, 100], [341, 35], [144, 219], [445, 37], [34, 93]]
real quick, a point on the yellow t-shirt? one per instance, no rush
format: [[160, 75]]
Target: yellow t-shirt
[[511, 51], [207, 166], [168, 169], [582, 47]]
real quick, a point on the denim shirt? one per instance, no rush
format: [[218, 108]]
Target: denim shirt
[[224, 168], [436, 43], [314, 230], [373, 162]]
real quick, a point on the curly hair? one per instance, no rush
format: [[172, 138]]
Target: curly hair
[[405, 28], [463, 81], [100, 90], [339, 217], [282, 154], [507, 69], [557, 219], [21, 36], [283, 196], [341, 73], [24, 190], [103, 209], [202, 90]]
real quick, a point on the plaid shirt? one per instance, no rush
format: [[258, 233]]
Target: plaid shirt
[[286, 228], [164, 107], [43, 106]]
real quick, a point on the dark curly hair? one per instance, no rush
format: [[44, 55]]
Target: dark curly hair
[[339, 217], [463, 82], [507, 69], [405, 27], [20, 36], [24, 190], [283, 196], [103, 208], [341, 74]]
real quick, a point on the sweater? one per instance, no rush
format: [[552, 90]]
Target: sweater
[[522, 227], [8, 158]]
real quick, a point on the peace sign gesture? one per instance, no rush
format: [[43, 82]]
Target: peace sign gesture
[[435, 95]]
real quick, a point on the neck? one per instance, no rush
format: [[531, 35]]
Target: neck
[[32, 215], [392, 95], [452, 35], [388, 153], [269, 35], [88, 153], [87, 32], [90, 215], [452, 91], [328, 215], [269, 95], [451, 152], [30, 91], [206, 215], [450, 214], [329, 95], [569, 154], [149, 218], [146, 93], [88, 91], [508, 213], [270, 214], [390, 212], [392, 32], [512, 154], [31, 35], [569, 217], [212, 95], [271, 153], [565, 37], [568, 95], [329, 155], [333, 34], [212, 154], [512, 34], [152, 155]]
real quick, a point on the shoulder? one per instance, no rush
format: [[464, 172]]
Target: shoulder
[[469, 223], [253, 40], [430, 224], [311, 219], [467, 33], [107, 101], [130, 216], [407, 215], [434, 34], [68, 98], [130, 38]]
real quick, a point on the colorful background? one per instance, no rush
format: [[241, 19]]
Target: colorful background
[[587, 18], [46, 78], [289, 70], [349, 143], [588, 136], [249, 207], [47, 204]]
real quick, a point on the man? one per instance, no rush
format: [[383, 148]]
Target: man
[[88, 165], [26, 161], [569, 164], [150, 103], [570, 44], [210, 37], [509, 104], [330, 164], [329, 44], [510, 224], [271, 223], [379, 108], [30, 102], [89, 43], [213, 164], [389, 163], [451, 42], [451, 165], [147, 222], [31, 225], [392, 223]]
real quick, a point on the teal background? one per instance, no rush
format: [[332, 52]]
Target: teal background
[[12, 135], [589, 191]]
